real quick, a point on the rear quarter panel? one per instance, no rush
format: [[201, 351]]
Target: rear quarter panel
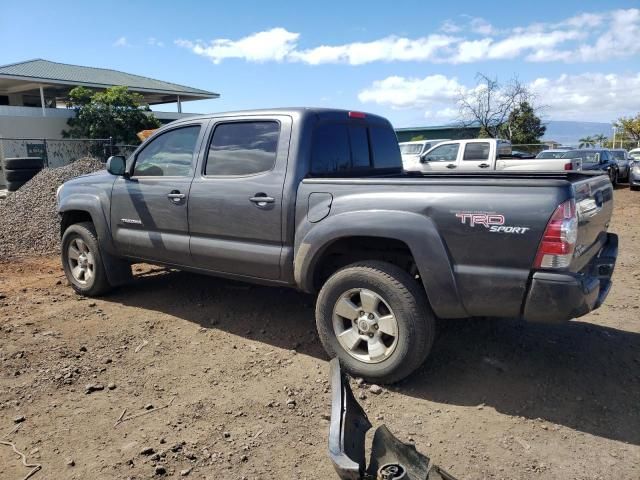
[[483, 269]]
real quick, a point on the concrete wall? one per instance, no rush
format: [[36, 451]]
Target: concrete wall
[[32, 127]]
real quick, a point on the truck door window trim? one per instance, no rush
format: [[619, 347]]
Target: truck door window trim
[[154, 138]]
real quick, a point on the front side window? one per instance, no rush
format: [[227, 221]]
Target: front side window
[[168, 155], [444, 153], [243, 148], [476, 152]]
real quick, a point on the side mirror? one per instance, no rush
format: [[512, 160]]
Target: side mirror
[[116, 165], [424, 159]]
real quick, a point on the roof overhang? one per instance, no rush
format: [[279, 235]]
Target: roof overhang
[[18, 84]]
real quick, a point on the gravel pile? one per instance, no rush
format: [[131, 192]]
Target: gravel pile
[[29, 223]]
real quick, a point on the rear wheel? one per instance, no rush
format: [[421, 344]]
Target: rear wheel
[[376, 319], [82, 260], [613, 176]]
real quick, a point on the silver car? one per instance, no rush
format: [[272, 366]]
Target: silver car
[[634, 174], [623, 159]]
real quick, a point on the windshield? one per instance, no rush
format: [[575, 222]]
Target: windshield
[[618, 154], [411, 148], [635, 155], [586, 156], [550, 155]]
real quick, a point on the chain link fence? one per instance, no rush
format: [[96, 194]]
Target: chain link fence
[[60, 152]]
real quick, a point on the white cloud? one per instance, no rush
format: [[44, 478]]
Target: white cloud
[[589, 96], [154, 42], [481, 26], [585, 37], [121, 42], [271, 45], [386, 49]]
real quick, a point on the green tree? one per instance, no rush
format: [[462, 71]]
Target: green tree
[[115, 112], [586, 142], [628, 127], [600, 139], [523, 126]]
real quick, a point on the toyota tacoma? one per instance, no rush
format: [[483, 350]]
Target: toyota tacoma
[[317, 199]]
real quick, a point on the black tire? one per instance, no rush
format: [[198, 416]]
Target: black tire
[[634, 187], [407, 300], [24, 163], [613, 176], [12, 186], [23, 175], [98, 283]]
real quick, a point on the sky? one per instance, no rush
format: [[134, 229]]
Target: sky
[[406, 60]]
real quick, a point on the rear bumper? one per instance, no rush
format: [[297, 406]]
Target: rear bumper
[[555, 297]]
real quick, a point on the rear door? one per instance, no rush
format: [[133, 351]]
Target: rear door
[[476, 156], [443, 157], [235, 202], [149, 208]]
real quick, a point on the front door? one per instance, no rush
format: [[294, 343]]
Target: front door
[[442, 158], [235, 204], [149, 208]]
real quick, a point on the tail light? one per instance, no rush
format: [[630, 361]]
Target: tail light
[[357, 115], [559, 239], [568, 166]]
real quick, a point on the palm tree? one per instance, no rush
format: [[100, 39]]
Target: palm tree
[[587, 142], [600, 139]]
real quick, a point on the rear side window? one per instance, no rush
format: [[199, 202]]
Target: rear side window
[[243, 148], [476, 151], [384, 145]]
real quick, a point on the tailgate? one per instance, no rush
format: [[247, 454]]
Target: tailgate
[[594, 205]]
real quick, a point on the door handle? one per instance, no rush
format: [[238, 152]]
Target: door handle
[[262, 199], [451, 165], [176, 196], [484, 165]]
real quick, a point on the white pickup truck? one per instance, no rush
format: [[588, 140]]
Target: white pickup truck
[[482, 154]]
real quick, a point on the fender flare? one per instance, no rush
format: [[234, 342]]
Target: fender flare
[[118, 271], [418, 232]]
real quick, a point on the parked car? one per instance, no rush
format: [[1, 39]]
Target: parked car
[[522, 154], [411, 151], [634, 175], [634, 153], [316, 199], [482, 154], [622, 158], [553, 153], [596, 159]]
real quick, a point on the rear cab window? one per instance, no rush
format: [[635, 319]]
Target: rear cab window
[[342, 148]]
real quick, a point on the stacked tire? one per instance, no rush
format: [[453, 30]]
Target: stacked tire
[[18, 171]]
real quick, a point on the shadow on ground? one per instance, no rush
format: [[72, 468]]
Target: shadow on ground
[[580, 375]]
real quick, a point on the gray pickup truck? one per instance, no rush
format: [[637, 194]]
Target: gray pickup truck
[[316, 199]]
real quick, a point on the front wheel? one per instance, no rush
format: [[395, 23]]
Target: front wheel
[[376, 319], [613, 175], [82, 260]]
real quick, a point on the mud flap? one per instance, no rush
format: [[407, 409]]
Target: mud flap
[[390, 459]]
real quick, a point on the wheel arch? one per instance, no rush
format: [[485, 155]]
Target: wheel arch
[[402, 232]]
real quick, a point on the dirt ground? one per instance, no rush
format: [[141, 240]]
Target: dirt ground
[[245, 382]]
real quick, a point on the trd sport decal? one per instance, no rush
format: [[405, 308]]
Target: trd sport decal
[[494, 222]]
